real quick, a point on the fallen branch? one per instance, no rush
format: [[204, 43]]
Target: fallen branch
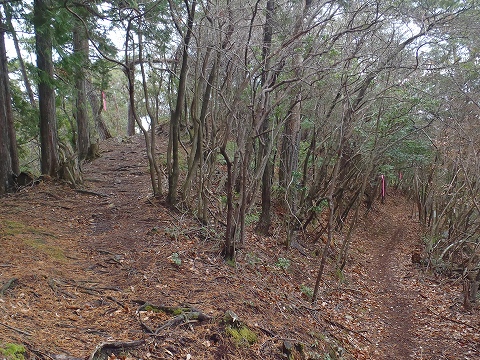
[[7, 285], [104, 350], [88, 192], [15, 329]]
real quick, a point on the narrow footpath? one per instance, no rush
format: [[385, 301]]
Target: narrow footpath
[[407, 313]]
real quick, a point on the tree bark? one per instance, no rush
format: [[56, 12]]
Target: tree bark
[[94, 98], [13, 33], [265, 220], [46, 94], [11, 142], [173, 160], [131, 111], [6, 171], [80, 48], [291, 137]]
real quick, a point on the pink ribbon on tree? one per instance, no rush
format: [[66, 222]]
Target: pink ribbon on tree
[[104, 99]]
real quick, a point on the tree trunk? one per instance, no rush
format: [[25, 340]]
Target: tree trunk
[[13, 33], [95, 100], [80, 48], [12, 140], [229, 248], [291, 137], [265, 220], [46, 95], [173, 160], [6, 171], [131, 104], [155, 173]]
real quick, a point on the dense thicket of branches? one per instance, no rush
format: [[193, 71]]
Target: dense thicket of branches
[[304, 106]]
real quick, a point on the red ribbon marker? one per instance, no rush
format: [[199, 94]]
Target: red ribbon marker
[[104, 101]]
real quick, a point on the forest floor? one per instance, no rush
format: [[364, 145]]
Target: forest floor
[[78, 267]]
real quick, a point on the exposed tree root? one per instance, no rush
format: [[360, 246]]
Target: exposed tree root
[[184, 315], [104, 350]]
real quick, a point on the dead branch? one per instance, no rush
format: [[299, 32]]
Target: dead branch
[[88, 192], [15, 329]]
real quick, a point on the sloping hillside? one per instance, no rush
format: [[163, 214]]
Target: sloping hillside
[[106, 264]]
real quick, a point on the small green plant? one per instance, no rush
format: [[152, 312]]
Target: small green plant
[[283, 263], [175, 259], [230, 262], [13, 351], [252, 259], [307, 291], [252, 218], [340, 275]]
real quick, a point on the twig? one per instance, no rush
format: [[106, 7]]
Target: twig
[[15, 329]]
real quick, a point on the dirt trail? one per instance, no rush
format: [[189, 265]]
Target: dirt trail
[[387, 249], [397, 303], [409, 314]]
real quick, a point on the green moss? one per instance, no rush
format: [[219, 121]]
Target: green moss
[[13, 351], [177, 311], [152, 308], [242, 335], [230, 262], [42, 246], [34, 237], [13, 228]]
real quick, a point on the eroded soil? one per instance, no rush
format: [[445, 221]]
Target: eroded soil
[[82, 263]]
